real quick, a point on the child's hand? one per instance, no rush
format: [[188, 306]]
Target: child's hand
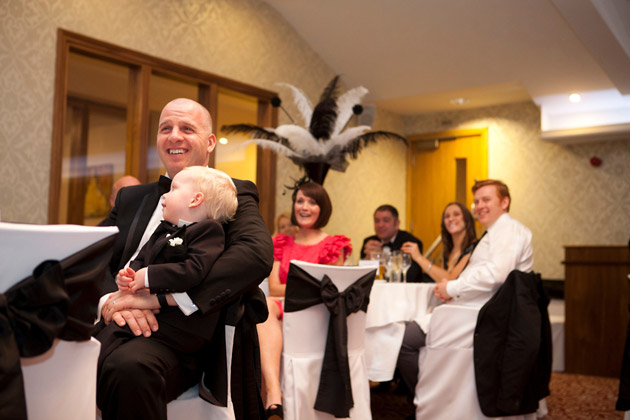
[[124, 278], [138, 281]]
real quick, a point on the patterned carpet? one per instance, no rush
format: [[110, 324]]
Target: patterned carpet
[[573, 397]]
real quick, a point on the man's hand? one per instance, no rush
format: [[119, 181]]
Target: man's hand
[[440, 291], [136, 310], [371, 246], [140, 321]]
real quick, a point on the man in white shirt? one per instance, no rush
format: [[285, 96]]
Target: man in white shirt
[[505, 246]]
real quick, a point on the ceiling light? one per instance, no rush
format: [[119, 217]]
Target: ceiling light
[[223, 140], [575, 98], [459, 101]]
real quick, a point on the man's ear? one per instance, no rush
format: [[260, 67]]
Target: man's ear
[[197, 199], [505, 203]]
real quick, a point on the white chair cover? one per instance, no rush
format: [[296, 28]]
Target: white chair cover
[[190, 406], [446, 386], [68, 363], [61, 383], [304, 335]]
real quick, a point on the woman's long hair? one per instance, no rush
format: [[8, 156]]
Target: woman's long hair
[[469, 228]]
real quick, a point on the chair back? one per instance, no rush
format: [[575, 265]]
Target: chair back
[[305, 334], [314, 321], [80, 255]]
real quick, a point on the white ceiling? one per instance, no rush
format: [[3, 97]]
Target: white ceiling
[[414, 56]]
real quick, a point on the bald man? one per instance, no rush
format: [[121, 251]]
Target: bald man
[[125, 181], [140, 377]]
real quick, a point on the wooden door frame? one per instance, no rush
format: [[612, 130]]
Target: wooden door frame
[[142, 66]]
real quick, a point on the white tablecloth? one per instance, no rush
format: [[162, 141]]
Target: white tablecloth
[[391, 305]]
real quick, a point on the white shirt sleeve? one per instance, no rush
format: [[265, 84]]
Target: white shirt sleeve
[[185, 303], [506, 246]]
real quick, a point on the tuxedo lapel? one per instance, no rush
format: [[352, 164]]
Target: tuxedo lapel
[[162, 241], [140, 222]]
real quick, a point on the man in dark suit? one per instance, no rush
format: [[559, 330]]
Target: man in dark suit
[[388, 235], [139, 379]]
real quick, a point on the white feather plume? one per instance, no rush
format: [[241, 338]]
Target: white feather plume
[[344, 107], [300, 139], [276, 147], [304, 105], [342, 139]]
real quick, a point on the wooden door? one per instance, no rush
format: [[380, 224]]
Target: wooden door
[[442, 168]]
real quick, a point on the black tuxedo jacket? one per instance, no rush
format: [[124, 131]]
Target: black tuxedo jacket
[[414, 274], [246, 261], [179, 267]]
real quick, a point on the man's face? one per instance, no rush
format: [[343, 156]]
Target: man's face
[[184, 136], [488, 206], [385, 225]]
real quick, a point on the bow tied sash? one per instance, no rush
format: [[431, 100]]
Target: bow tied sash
[[334, 395], [58, 300]]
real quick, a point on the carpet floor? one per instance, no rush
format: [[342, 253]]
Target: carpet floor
[[573, 397]]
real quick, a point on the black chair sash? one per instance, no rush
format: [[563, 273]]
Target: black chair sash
[[244, 314], [58, 300], [334, 395]]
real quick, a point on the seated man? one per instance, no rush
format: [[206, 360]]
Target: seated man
[[138, 379], [505, 246], [388, 236]]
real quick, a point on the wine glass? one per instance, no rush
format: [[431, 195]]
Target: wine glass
[[406, 263], [396, 261]]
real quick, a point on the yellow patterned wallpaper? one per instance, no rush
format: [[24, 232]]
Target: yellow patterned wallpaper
[[556, 192], [244, 40]]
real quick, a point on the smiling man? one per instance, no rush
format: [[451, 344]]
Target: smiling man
[[141, 376], [388, 235], [505, 246]]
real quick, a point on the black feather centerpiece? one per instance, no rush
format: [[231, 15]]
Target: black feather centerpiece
[[327, 143]]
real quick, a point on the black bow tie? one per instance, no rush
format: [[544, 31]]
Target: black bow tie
[[168, 227], [164, 184]]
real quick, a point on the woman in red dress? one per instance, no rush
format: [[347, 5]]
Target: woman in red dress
[[311, 212]]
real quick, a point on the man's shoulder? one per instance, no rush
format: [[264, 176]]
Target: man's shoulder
[[506, 226], [407, 236], [245, 187], [508, 222], [137, 190]]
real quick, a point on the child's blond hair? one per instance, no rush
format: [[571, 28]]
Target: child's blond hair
[[219, 192]]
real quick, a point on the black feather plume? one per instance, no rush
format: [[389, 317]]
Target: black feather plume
[[256, 132], [325, 112], [357, 144]]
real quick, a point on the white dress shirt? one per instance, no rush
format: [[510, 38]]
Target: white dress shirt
[[506, 246]]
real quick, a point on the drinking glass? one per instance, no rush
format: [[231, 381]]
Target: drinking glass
[[381, 264], [406, 263], [396, 266]]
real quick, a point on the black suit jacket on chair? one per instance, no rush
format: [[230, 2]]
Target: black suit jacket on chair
[[512, 347]]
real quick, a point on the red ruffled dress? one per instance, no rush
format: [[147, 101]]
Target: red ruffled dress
[[326, 251]]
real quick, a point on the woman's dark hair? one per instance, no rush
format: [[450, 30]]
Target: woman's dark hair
[[318, 193], [469, 227]]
